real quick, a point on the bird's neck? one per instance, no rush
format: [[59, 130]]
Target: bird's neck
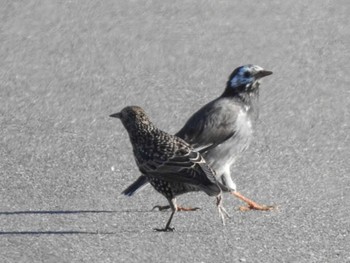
[[247, 98], [241, 93], [141, 132]]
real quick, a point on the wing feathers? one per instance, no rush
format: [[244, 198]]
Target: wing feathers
[[211, 125], [189, 168]]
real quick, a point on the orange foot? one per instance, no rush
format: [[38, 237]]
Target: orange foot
[[178, 208], [251, 204]]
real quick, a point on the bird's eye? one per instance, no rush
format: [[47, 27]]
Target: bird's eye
[[246, 74]]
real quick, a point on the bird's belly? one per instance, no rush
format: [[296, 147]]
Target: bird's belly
[[171, 189], [224, 155]]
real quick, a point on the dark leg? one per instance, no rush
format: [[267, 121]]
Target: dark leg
[[167, 228], [251, 204]]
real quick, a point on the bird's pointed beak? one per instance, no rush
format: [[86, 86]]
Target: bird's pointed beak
[[115, 115], [263, 73]]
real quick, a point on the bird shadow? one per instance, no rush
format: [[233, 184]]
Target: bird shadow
[[55, 212], [63, 212], [71, 232], [34, 233]]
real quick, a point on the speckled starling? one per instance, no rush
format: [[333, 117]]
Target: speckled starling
[[222, 129], [168, 162]]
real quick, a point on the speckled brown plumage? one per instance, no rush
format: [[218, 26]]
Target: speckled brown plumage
[[168, 162]]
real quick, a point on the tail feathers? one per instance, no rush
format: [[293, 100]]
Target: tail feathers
[[136, 186]]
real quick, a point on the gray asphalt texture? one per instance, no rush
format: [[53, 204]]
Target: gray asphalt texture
[[66, 65]]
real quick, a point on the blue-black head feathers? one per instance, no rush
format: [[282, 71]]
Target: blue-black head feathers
[[245, 78]]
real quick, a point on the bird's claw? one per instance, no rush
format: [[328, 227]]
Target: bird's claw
[[256, 207], [251, 205], [178, 208], [161, 207], [167, 229]]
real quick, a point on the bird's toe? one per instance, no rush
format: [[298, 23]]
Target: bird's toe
[[167, 229], [256, 207], [180, 208], [161, 207]]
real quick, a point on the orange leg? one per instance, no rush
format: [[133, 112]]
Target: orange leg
[[178, 208], [251, 204]]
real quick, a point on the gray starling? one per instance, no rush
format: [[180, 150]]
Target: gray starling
[[168, 162], [222, 129]]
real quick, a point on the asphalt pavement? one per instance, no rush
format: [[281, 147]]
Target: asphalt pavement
[[66, 65]]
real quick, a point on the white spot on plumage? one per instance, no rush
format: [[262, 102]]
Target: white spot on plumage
[[243, 122]]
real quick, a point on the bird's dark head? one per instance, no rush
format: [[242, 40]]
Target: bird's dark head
[[246, 78], [132, 116]]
